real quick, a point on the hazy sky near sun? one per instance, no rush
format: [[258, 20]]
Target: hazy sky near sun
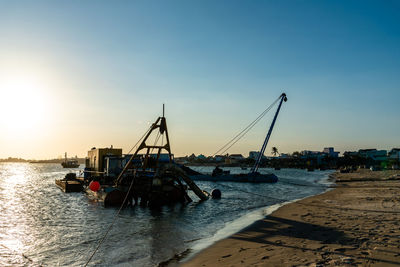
[[79, 74]]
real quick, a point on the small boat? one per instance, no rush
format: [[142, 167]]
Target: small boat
[[70, 183], [70, 163]]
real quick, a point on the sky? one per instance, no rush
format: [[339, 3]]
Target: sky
[[81, 74]]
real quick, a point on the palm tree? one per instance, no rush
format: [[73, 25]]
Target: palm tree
[[274, 151]]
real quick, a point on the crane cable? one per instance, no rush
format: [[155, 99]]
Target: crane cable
[[235, 139]]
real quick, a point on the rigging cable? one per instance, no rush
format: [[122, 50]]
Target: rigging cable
[[155, 142], [235, 139], [140, 139]]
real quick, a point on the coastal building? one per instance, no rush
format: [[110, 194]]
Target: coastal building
[[350, 154], [201, 157], [234, 158], [370, 155], [192, 157], [309, 153], [284, 156], [394, 154], [327, 152], [219, 158], [330, 152], [374, 154], [254, 155]]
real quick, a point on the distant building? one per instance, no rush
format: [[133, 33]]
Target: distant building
[[309, 153], [284, 156], [236, 156], [351, 154], [394, 154], [376, 155], [233, 158], [219, 158], [330, 151], [254, 155], [192, 157], [201, 157]]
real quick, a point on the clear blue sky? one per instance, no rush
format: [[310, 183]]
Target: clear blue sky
[[106, 67]]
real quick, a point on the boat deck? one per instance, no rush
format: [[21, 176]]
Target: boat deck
[[69, 186]]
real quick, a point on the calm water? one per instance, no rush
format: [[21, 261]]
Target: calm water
[[41, 225]]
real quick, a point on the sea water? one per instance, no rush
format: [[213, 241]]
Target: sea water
[[41, 225]]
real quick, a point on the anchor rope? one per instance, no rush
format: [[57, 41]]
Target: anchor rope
[[111, 225], [240, 135], [120, 208]]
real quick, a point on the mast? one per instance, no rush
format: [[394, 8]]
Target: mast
[[264, 146], [161, 125]]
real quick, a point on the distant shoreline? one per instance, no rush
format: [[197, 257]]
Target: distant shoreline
[[55, 161]]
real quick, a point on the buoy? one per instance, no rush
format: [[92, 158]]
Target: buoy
[[216, 194], [94, 186]]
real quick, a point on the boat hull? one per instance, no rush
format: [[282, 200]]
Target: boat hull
[[69, 165], [69, 186]]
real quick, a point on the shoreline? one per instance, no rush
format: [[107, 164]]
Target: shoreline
[[337, 227], [238, 225]]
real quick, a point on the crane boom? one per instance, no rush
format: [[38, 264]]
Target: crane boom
[[264, 146]]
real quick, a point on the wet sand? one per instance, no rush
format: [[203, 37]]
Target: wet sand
[[355, 224]]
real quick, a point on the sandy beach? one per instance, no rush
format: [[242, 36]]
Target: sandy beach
[[355, 224]]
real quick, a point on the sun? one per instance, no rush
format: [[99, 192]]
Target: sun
[[22, 108]]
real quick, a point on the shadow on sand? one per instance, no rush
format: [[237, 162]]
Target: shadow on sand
[[273, 227]]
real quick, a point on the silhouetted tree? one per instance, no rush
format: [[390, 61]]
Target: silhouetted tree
[[274, 151]]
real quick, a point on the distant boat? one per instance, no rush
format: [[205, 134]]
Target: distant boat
[[69, 163]]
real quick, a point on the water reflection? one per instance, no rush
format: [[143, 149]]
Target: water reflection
[[41, 225], [15, 234]]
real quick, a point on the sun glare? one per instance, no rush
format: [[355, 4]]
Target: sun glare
[[22, 108]]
